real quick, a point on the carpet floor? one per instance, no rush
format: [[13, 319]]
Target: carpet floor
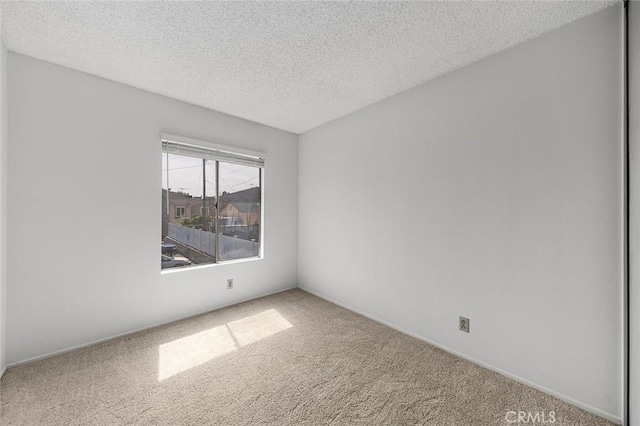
[[286, 359]]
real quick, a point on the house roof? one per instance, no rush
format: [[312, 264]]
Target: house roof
[[251, 195]]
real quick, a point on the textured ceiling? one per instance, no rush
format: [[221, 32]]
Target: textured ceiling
[[290, 65]]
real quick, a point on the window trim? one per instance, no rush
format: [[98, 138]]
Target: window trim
[[184, 212]]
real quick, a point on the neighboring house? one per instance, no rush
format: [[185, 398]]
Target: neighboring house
[[240, 214], [183, 206], [239, 211], [243, 213]]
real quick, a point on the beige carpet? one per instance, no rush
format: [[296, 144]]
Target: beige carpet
[[286, 359]]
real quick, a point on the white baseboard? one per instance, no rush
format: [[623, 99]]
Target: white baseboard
[[558, 395], [4, 370], [117, 336]]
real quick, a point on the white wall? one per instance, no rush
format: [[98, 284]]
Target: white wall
[[494, 192], [634, 206], [84, 202]]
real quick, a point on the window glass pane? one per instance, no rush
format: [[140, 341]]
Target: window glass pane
[[188, 198], [240, 206]]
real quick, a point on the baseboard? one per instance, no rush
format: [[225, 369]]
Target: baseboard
[[526, 382], [117, 336], [4, 370]]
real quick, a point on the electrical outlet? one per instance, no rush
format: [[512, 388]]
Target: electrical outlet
[[464, 324], [230, 283]]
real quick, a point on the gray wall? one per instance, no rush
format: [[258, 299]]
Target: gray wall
[[494, 192], [634, 206], [85, 173]]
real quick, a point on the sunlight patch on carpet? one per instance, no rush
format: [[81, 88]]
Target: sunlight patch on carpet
[[257, 327], [191, 351]]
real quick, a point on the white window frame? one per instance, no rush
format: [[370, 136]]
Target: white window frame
[[219, 153]]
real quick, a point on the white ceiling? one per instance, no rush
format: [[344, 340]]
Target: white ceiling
[[290, 65]]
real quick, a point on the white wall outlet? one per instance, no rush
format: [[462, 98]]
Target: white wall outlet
[[230, 283], [464, 324]]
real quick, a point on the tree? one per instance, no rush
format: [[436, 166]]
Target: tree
[[198, 222]]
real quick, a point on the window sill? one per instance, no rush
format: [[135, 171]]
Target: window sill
[[209, 265]]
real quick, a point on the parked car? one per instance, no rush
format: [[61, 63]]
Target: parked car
[[172, 262], [168, 248]]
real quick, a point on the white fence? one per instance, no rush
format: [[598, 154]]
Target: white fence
[[230, 247]]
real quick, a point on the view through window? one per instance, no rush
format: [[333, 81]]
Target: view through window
[[211, 205]]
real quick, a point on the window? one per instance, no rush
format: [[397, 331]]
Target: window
[[216, 197]]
